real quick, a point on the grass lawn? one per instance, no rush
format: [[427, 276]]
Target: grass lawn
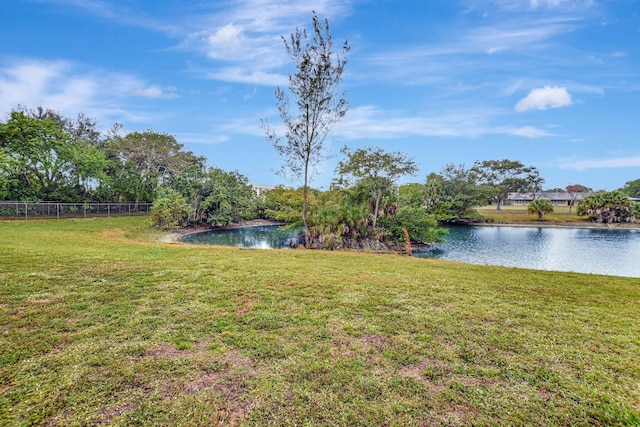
[[102, 325], [518, 213]]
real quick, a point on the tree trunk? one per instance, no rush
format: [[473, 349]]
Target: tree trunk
[[305, 193], [408, 240], [376, 208]]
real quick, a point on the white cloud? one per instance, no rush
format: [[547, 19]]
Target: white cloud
[[155, 92], [454, 56], [554, 4], [374, 123], [531, 132], [244, 37], [248, 76], [226, 42], [550, 3], [201, 138], [544, 98], [537, 5], [516, 34], [614, 163], [70, 89]]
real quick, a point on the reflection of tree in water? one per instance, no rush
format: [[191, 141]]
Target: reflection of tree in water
[[263, 237]]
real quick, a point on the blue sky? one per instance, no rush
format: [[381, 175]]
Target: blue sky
[[552, 83]]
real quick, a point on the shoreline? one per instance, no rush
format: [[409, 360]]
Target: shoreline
[[557, 224], [176, 236]]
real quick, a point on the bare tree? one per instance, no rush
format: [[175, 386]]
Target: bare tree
[[315, 111], [575, 191]]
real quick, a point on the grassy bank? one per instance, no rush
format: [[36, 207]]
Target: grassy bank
[[518, 214], [99, 324]]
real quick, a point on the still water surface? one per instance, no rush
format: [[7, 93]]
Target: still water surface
[[262, 237], [598, 251]]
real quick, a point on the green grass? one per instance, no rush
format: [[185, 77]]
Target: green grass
[[102, 325], [518, 214]]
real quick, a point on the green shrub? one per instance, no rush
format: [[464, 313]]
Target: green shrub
[[607, 208], [170, 210], [421, 226]]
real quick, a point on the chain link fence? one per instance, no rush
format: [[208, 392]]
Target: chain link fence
[[27, 210]]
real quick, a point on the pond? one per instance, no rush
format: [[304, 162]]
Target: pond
[[260, 237], [598, 251]]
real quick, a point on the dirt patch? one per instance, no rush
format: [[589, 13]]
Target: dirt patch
[[228, 384], [222, 378], [248, 301], [170, 352], [233, 357], [432, 373], [109, 414], [373, 342]]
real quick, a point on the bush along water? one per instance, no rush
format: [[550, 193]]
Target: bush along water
[[350, 227], [610, 208]]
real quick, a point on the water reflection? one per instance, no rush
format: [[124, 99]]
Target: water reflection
[[598, 251], [262, 237]]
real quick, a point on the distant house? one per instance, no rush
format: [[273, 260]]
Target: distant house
[[555, 197], [261, 189]]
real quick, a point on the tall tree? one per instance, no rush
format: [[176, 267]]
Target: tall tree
[[44, 163], [501, 177], [83, 128], [453, 195], [229, 198], [316, 109], [149, 161], [6, 168], [375, 170], [285, 204]]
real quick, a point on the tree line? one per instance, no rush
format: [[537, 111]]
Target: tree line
[[45, 156]]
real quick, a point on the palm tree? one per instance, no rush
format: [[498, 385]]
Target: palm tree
[[605, 208], [540, 207]]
